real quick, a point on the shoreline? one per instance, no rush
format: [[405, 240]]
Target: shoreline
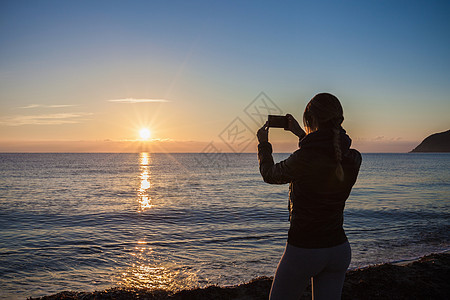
[[400, 262], [422, 278]]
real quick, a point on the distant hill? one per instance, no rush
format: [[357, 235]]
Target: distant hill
[[438, 142]]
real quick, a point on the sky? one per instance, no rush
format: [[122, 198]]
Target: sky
[[87, 76]]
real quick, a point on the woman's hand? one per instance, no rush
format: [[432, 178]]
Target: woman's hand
[[294, 127], [263, 133]]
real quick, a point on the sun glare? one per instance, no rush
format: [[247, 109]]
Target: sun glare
[[144, 133]]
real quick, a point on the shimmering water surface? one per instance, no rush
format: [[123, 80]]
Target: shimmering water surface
[[92, 221]]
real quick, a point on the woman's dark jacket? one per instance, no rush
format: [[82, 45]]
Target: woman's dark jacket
[[316, 197]]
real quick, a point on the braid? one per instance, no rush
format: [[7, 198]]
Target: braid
[[338, 154], [324, 111]]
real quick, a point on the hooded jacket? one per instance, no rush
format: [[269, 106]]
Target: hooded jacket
[[316, 196]]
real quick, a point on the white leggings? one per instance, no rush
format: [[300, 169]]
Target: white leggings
[[325, 266]]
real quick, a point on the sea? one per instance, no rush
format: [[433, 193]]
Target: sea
[[174, 221]]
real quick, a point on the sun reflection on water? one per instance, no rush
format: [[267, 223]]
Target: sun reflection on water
[[145, 269], [158, 278], [143, 193], [146, 272]]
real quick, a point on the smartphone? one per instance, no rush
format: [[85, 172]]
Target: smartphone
[[278, 122]]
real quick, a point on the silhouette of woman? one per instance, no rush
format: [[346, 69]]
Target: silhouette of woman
[[321, 174]]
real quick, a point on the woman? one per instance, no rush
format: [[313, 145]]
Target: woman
[[321, 174]]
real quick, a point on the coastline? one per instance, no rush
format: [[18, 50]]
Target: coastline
[[422, 278]]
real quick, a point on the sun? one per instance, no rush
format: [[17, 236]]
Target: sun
[[144, 133]]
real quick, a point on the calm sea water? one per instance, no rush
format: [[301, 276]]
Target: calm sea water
[[92, 221]]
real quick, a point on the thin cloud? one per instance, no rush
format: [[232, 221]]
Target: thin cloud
[[30, 106], [61, 105], [382, 138], [138, 140], [47, 106], [45, 119], [133, 100]]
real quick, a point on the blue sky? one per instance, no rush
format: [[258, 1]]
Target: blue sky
[[387, 61]]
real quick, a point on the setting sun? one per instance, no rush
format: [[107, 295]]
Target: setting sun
[[144, 133]]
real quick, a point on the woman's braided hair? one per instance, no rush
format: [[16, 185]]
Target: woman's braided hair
[[325, 111]]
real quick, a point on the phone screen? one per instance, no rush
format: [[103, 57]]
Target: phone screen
[[278, 121]]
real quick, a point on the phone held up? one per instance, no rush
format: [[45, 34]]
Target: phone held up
[[278, 122]]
